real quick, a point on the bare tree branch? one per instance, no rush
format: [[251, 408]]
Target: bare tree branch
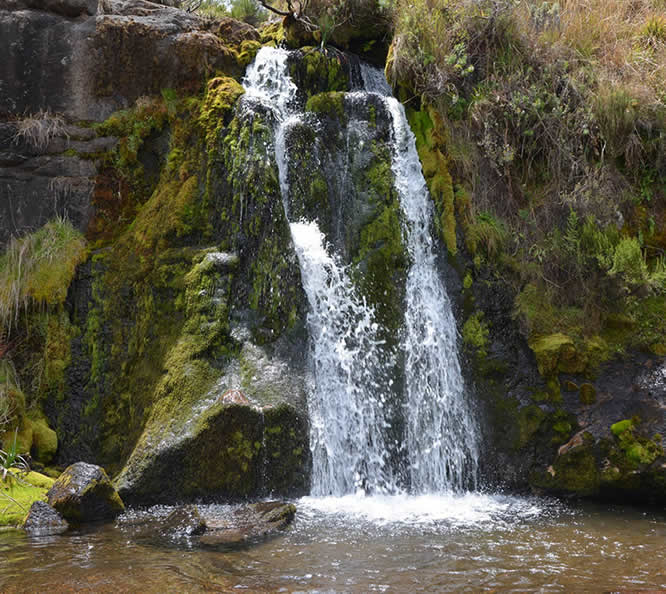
[[268, 6]]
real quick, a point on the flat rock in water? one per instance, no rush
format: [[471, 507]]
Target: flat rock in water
[[84, 493], [249, 522], [43, 520], [183, 521]]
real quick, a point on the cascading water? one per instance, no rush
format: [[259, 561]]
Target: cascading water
[[347, 427], [350, 363], [348, 446], [441, 434]]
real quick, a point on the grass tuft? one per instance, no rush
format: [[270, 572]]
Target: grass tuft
[[38, 268]]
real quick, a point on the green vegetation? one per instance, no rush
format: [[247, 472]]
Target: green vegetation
[[16, 496], [36, 270], [634, 449], [549, 121]]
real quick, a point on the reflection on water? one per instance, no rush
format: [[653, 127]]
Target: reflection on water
[[357, 544]]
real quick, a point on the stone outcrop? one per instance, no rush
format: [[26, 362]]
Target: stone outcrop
[[84, 493], [68, 63], [577, 434], [211, 526], [182, 522]]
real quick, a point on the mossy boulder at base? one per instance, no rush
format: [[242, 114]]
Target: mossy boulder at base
[[84, 493], [44, 520]]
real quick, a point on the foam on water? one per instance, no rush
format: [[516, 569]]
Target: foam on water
[[458, 510]]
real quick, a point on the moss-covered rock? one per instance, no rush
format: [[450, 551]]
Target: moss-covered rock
[[84, 493], [588, 393], [44, 441], [317, 72], [287, 450], [574, 472], [431, 145]]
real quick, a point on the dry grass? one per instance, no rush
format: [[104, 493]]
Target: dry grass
[[625, 38], [38, 129]]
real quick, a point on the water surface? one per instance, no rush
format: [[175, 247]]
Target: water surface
[[360, 544]]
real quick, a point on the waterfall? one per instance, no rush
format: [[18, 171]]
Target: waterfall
[[350, 363], [347, 427], [441, 434]]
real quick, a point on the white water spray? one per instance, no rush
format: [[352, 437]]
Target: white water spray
[[441, 434]]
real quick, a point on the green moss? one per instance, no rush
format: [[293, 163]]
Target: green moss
[[330, 104], [383, 259], [248, 50], [44, 441], [12, 513], [633, 450], [475, 334], [272, 34], [558, 352], [320, 72], [528, 420], [426, 125], [575, 472], [221, 95], [468, 281], [37, 269], [287, 450], [133, 127], [621, 426]]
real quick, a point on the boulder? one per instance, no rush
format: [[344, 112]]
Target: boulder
[[248, 522], [43, 520], [84, 493]]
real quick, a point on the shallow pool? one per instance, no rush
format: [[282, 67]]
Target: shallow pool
[[362, 544]]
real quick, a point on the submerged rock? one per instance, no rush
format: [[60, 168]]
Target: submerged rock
[[84, 493], [183, 521], [249, 522], [43, 520]]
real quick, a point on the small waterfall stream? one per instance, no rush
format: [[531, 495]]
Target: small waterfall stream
[[441, 433], [350, 363]]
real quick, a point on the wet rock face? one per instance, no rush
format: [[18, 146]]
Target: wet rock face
[[84, 493], [83, 60], [231, 451], [70, 57], [45, 174], [43, 520], [569, 435]]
